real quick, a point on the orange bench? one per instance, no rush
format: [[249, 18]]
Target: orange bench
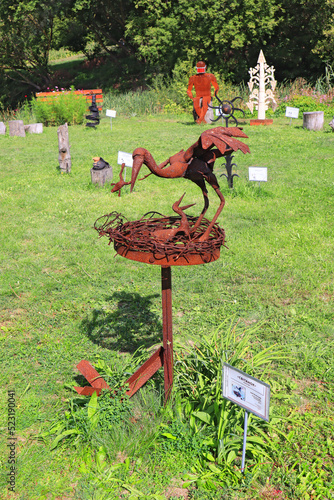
[[46, 96]]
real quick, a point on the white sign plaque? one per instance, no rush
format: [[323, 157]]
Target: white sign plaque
[[248, 392], [291, 112], [257, 174], [124, 158], [111, 113]]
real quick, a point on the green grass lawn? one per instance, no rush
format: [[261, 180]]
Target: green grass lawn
[[65, 297]]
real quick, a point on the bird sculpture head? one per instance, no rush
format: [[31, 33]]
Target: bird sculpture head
[[138, 157]]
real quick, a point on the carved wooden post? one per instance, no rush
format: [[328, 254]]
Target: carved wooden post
[[64, 149], [261, 76], [16, 127]]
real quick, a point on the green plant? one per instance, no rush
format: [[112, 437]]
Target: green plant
[[86, 417], [65, 108], [199, 382]]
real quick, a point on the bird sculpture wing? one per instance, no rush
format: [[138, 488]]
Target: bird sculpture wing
[[223, 139]]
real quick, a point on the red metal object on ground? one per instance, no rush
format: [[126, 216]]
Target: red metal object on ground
[[164, 355], [93, 377], [135, 382]]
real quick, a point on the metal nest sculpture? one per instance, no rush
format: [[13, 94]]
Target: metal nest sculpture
[[160, 239]]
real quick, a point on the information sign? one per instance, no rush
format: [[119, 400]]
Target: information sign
[[124, 158], [246, 391], [291, 112], [257, 174], [111, 113]]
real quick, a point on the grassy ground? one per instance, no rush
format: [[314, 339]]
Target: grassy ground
[[65, 297]]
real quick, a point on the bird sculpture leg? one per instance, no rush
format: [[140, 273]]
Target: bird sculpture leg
[[168, 234], [201, 183], [118, 185], [200, 171], [213, 182]]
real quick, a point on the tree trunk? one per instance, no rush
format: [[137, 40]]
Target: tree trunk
[[100, 177], [313, 120], [64, 149], [16, 127]]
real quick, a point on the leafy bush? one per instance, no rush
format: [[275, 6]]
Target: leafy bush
[[307, 103], [198, 374], [65, 108]]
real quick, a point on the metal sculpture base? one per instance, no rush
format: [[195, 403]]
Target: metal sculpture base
[[266, 121], [163, 356], [229, 176], [140, 250]]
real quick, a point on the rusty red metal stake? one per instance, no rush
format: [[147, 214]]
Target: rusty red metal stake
[[167, 328]]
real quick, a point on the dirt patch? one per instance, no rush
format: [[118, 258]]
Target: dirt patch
[[176, 492]]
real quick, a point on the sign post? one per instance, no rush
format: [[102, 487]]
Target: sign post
[[244, 443], [257, 174], [291, 113], [248, 392], [125, 158], [112, 114]]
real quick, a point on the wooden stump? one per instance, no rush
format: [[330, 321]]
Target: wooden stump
[[34, 128], [64, 157], [208, 118], [2, 128], [313, 120], [209, 114], [331, 124], [100, 177], [16, 127]]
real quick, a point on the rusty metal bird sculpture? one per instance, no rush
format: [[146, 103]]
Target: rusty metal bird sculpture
[[195, 164]]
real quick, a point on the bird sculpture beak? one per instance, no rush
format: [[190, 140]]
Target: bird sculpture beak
[[136, 166]]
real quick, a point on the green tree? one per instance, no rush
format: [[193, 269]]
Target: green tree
[[102, 22], [325, 44], [223, 33], [26, 30], [300, 42]]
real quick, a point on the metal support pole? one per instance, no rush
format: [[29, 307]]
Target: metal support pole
[[167, 328], [244, 443]]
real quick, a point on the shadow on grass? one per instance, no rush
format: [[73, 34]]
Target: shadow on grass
[[127, 326]]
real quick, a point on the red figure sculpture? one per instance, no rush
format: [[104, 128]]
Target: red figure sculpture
[[202, 82]]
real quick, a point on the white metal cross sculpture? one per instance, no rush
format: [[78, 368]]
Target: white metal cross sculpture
[[261, 76]]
